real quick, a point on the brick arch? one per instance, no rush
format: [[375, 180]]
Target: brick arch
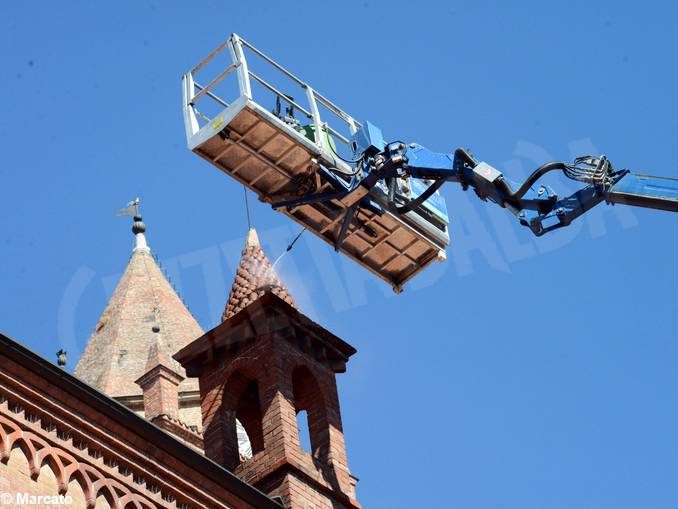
[[47, 454], [9, 431], [52, 459], [78, 475], [134, 501], [66, 468], [104, 487], [4, 443], [76, 492], [70, 464], [241, 400], [18, 438], [250, 367], [315, 391], [30, 454], [308, 395]]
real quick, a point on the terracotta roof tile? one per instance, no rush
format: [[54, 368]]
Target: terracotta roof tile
[[254, 277]]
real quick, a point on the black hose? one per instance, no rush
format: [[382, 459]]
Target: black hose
[[536, 175], [421, 198], [289, 248], [463, 157]]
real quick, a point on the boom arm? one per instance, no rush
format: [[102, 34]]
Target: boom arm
[[380, 206], [541, 210]]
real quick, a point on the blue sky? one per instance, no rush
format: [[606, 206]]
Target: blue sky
[[522, 373]]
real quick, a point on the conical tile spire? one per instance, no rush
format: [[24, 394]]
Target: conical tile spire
[[143, 310], [254, 277]]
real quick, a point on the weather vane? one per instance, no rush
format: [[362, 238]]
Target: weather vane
[[132, 209], [138, 226]]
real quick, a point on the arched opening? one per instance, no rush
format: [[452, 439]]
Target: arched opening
[[248, 414], [244, 436], [309, 405]]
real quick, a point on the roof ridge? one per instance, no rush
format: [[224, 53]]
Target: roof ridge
[[183, 424]]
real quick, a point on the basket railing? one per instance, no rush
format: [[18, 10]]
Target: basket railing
[[205, 98]]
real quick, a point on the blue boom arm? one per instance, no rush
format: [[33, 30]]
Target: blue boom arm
[[538, 208], [380, 169]]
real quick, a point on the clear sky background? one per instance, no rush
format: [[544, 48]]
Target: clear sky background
[[523, 372]]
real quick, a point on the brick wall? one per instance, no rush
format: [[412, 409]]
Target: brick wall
[[263, 379], [59, 436]]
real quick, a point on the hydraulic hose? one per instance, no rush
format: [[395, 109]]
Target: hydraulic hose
[[536, 175], [421, 198]]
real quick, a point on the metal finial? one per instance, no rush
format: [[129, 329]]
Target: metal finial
[[138, 227], [61, 358]]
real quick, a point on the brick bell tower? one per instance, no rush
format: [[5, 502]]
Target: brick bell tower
[[258, 369]]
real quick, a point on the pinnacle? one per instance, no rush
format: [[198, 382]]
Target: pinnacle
[[254, 277]]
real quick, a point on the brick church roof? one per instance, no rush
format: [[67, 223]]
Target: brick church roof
[[255, 276], [143, 317], [157, 459]]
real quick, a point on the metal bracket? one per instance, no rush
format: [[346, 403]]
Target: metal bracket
[[348, 219]]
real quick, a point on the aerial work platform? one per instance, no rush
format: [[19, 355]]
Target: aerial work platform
[[375, 201], [259, 123]]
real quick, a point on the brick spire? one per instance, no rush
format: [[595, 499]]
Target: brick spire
[[255, 276], [144, 308]]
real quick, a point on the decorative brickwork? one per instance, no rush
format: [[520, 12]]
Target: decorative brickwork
[[65, 466], [60, 436], [265, 363], [262, 366]]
